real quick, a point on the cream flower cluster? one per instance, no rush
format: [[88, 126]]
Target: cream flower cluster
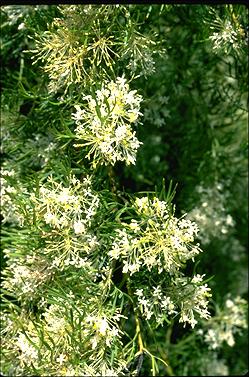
[[225, 38], [207, 363], [102, 328], [9, 210], [155, 304], [28, 354], [27, 275], [71, 207], [140, 52], [55, 328], [65, 215], [157, 239], [187, 297], [226, 323], [104, 125], [210, 213], [192, 297], [44, 148]]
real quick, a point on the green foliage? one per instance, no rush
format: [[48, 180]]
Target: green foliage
[[124, 189]]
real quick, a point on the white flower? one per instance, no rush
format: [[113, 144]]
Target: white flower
[[157, 292], [61, 359], [79, 227], [143, 301], [64, 197], [212, 338], [51, 219], [229, 303], [134, 226], [230, 339], [139, 292], [120, 132], [114, 253], [229, 220], [94, 342], [102, 326]]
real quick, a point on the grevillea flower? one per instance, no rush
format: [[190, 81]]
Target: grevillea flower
[[104, 124]]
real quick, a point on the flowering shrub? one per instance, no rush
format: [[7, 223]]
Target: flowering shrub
[[109, 268]]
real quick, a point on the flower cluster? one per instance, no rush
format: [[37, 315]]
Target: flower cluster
[[212, 365], [192, 296], [65, 214], [99, 330], [157, 239], [139, 51], [211, 214], [63, 218], [9, 209], [155, 304], [43, 147], [225, 38], [104, 124], [185, 296], [26, 275], [63, 55], [28, 354], [76, 48], [54, 330], [102, 328], [71, 207], [227, 323], [205, 363], [157, 113], [17, 14]]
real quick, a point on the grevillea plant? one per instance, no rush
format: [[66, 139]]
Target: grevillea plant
[[98, 280]]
